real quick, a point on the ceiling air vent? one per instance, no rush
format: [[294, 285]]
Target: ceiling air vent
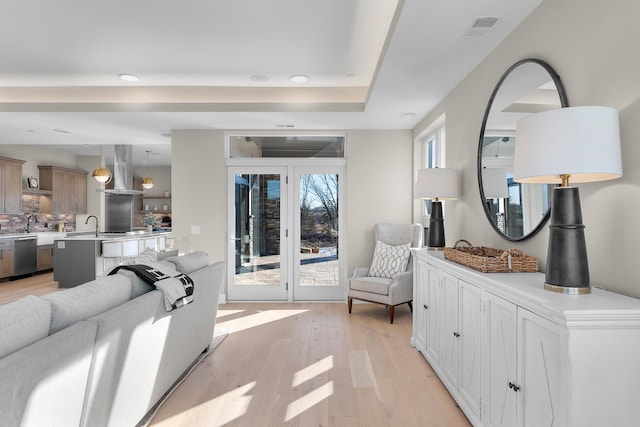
[[481, 26]]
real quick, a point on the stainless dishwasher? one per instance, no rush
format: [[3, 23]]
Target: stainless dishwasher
[[25, 255]]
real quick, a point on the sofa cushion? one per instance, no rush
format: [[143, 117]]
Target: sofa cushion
[[149, 255], [22, 323], [376, 285], [389, 260], [44, 383], [167, 254], [86, 300], [190, 262]]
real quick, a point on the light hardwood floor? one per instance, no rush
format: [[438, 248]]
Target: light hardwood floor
[[304, 364]]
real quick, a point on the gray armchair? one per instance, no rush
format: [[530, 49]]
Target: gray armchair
[[390, 291]]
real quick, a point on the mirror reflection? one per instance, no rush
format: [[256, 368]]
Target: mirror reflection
[[516, 211]]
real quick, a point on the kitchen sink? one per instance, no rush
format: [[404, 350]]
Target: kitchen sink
[[47, 237]]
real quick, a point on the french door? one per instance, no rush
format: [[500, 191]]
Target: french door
[[284, 228]]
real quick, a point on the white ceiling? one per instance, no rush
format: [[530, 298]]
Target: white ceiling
[[369, 62]]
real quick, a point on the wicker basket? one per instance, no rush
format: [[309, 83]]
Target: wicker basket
[[490, 260]]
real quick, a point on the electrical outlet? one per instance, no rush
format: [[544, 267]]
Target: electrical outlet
[[195, 229]]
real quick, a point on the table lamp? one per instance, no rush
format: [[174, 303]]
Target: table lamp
[[437, 184], [494, 186], [581, 144]]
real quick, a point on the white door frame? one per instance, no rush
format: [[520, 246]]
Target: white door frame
[[256, 292], [290, 258]]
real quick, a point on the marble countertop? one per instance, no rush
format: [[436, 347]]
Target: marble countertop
[[115, 237]]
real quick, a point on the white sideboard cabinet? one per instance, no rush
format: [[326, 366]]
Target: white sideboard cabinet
[[512, 354]]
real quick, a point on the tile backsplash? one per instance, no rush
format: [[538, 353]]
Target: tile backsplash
[[16, 223]]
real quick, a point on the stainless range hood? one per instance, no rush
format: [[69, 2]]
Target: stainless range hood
[[122, 171]]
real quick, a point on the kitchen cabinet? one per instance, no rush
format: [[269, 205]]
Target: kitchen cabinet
[[68, 188], [45, 257], [513, 354], [10, 185], [6, 258], [523, 367]]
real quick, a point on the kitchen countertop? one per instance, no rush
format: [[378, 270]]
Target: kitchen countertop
[[114, 237]]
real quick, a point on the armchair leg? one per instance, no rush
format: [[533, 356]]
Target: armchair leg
[[392, 310], [410, 306], [349, 303]]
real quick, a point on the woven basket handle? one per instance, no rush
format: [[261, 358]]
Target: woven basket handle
[[514, 252], [509, 254], [462, 241]]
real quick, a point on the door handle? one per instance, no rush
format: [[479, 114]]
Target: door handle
[[513, 386]]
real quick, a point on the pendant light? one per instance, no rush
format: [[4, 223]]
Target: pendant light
[[101, 174], [147, 183]]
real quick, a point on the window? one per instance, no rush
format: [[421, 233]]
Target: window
[[433, 150]]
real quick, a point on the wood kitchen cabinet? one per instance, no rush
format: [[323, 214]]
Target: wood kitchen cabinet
[[45, 257], [10, 185], [6, 258], [68, 188], [513, 354]]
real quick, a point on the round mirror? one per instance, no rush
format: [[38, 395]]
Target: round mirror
[[516, 211]]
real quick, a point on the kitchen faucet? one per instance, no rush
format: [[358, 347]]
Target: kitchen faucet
[[87, 222], [35, 218]]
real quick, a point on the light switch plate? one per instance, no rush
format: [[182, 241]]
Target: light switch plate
[[195, 229]]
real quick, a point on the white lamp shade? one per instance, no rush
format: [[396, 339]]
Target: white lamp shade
[[494, 183], [437, 183], [581, 141]]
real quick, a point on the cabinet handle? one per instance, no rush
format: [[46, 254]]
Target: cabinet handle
[[425, 306], [457, 335], [513, 386]]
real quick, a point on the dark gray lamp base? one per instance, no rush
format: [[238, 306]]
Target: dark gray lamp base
[[435, 239], [567, 266]]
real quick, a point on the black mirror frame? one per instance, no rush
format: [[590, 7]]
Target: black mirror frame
[[563, 102]]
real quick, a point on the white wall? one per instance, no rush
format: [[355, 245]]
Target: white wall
[[379, 188], [199, 194], [35, 155], [593, 47]]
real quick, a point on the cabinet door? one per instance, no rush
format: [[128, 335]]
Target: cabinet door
[[59, 191], [6, 263], [71, 202], [500, 362], [81, 193], [470, 374], [451, 331], [12, 187], [539, 372], [434, 304], [45, 257], [420, 306]]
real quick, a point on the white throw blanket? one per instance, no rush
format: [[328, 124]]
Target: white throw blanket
[[176, 288]]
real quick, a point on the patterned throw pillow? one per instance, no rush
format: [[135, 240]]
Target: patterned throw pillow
[[389, 260]]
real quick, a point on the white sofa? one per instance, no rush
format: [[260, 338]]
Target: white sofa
[[105, 352]]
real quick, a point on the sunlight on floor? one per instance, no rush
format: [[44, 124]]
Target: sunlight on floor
[[257, 319], [222, 313], [307, 401], [229, 406], [312, 371]]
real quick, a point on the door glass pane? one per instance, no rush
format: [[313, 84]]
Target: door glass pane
[[257, 218], [319, 230]]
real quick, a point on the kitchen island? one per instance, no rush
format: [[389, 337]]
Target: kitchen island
[[82, 257]]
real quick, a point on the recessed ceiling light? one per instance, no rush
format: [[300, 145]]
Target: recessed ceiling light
[[407, 115], [259, 78], [62, 131], [129, 77], [285, 126], [299, 78]]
